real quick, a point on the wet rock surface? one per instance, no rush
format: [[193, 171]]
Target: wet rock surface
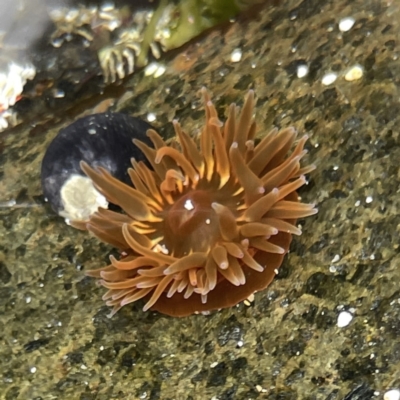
[[327, 327]]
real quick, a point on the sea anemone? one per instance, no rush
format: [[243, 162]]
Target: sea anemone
[[210, 223]]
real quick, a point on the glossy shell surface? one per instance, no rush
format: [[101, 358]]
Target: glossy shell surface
[[104, 140]]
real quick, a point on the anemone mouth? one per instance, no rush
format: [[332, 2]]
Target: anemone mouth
[[210, 224], [190, 224]]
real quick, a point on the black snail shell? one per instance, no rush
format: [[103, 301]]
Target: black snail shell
[[104, 140]]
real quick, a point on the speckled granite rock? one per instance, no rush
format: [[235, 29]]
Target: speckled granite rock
[[56, 341]]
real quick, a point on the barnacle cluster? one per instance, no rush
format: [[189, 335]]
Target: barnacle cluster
[[119, 58], [12, 80], [134, 35], [84, 21]]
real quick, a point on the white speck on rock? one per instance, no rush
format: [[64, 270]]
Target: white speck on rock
[[160, 71], [236, 55], [151, 69], [354, 73], [151, 117], [345, 24], [393, 394], [260, 389], [58, 93], [302, 70], [329, 78], [344, 319]]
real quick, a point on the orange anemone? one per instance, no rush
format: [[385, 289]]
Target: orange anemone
[[210, 223]]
